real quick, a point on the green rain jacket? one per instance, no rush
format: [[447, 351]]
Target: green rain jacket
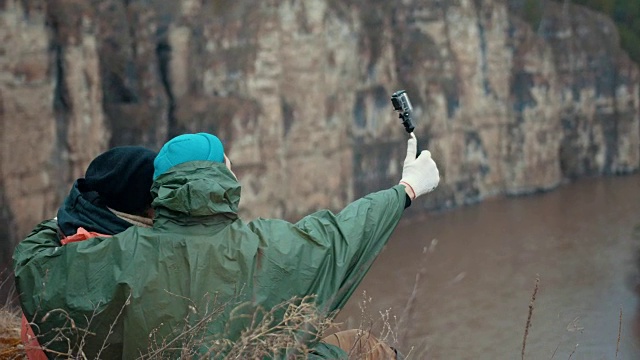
[[198, 259]]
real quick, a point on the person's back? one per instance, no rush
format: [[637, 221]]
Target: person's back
[[113, 195], [219, 259]]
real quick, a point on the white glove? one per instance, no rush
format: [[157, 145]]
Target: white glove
[[420, 175]]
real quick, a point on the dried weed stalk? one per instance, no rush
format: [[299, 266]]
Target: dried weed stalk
[[386, 326], [528, 325], [619, 332]]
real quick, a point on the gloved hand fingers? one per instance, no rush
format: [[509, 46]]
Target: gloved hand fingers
[[428, 163], [425, 154], [412, 148], [420, 175]]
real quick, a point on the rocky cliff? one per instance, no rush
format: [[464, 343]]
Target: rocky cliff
[[299, 91]]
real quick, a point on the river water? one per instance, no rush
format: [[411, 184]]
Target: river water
[[472, 298]]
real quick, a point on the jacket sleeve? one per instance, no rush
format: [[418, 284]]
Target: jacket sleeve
[[43, 241], [44, 237], [328, 254]]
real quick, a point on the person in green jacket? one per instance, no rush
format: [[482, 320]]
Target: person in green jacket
[[200, 268], [113, 195]]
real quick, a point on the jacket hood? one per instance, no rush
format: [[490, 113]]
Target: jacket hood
[[83, 208], [195, 191]]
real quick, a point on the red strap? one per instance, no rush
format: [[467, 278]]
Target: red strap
[[81, 235], [31, 345]]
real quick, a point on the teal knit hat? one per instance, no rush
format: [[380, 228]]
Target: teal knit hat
[[185, 148]]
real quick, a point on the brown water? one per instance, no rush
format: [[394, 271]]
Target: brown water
[[473, 299]]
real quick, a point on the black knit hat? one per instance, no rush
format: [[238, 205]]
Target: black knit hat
[[122, 177]]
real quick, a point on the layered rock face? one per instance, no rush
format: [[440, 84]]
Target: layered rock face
[[299, 92]]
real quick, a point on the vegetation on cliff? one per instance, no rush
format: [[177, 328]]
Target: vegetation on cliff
[[625, 14]]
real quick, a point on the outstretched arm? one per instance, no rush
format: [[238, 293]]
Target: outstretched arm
[[329, 254]]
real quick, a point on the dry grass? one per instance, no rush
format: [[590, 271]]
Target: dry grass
[[391, 329], [281, 332], [387, 328], [284, 331], [269, 334], [10, 344]]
